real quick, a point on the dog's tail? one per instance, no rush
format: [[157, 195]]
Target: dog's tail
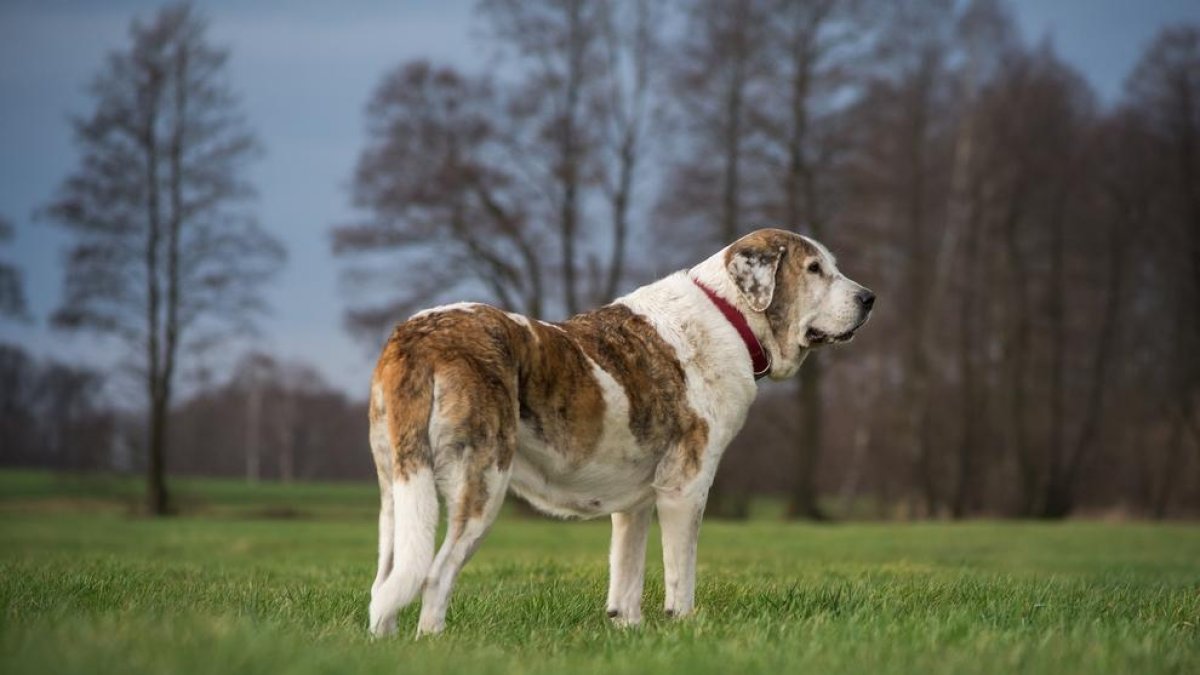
[[414, 523], [408, 516]]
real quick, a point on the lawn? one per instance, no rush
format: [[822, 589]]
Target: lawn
[[274, 579]]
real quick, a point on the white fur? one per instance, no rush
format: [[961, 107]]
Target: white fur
[[627, 565], [835, 309], [452, 307], [523, 320]]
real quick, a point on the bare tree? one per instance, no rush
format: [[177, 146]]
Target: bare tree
[[12, 293], [633, 44], [717, 72], [1164, 94], [815, 44], [561, 43], [900, 173], [718, 64], [480, 174], [52, 414], [165, 255], [300, 419], [438, 188]]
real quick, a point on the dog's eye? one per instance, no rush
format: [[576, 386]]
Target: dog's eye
[[814, 267]]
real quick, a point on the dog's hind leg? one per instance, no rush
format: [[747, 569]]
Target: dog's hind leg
[[627, 565], [473, 499]]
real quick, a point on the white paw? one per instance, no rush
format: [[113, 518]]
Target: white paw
[[379, 625], [626, 618], [430, 627], [677, 612]]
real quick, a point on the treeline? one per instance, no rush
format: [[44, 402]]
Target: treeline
[[269, 420], [1035, 351], [1036, 252]]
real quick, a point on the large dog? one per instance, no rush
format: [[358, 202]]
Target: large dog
[[614, 411]]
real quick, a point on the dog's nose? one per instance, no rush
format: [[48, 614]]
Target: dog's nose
[[866, 299]]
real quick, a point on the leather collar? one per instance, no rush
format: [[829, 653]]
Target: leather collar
[[758, 356]]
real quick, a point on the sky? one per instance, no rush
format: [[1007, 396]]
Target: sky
[[304, 71]]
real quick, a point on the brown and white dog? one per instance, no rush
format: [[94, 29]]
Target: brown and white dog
[[615, 411]]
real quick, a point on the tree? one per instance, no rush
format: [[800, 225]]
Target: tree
[[718, 66], [438, 188], [815, 44], [1163, 93], [166, 256], [497, 186], [629, 112], [52, 414], [900, 173], [711, 191], [12, 294], [561, 42]]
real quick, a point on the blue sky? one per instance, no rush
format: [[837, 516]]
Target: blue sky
[[305, 70]]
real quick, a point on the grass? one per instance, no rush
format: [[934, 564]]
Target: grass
[[85, 587]]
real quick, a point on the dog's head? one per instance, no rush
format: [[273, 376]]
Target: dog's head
[[794, 282]]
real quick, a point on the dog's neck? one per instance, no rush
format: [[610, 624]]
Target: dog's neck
[[758, 356], [712, 274]]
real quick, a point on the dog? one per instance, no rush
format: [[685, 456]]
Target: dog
[[614, 412]]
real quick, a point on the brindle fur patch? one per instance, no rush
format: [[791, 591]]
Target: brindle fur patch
[[468, 353], [627, 346], [558, 397], [407, 395]]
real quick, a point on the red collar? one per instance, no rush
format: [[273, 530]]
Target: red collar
[[758, 356]]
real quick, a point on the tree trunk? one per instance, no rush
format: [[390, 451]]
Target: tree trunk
[[620, 215], [1017, 349], [1167, 473], [156, 490], [569, 215], [157, 499], [800, 181], [803, 502], [253, 431], [916, 362], [725, 501], [1058, 501], [967, 367]]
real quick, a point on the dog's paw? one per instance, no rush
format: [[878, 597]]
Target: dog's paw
[[624, 619], [427, 628], [676, 612], [382, 629], [378, 623]]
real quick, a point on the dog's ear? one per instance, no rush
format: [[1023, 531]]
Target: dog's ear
[[752, 268]]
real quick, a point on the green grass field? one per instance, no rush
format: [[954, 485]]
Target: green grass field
[[275, 579]]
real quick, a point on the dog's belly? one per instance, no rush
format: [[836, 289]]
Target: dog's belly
[[617, 477]]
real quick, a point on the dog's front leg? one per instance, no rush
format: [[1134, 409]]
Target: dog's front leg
[[627, 566], [679, 514]]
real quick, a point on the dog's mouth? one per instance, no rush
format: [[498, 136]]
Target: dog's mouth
[[815, 336], [819, 337]]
